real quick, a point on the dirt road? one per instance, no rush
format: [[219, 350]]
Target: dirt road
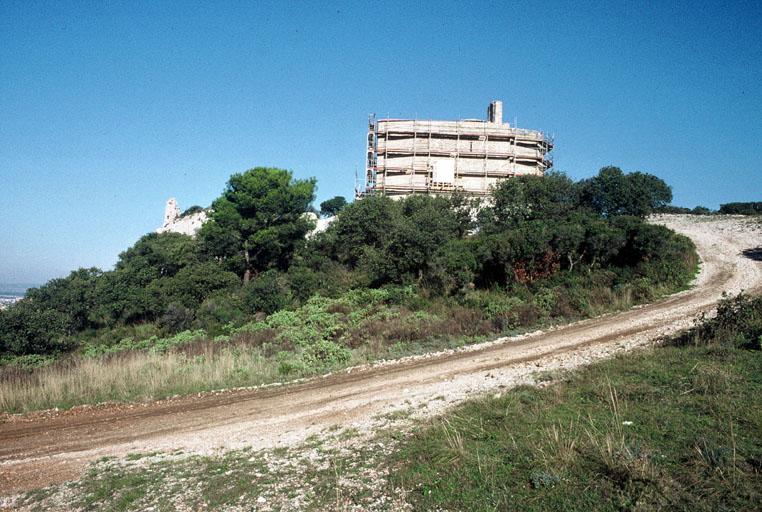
[[42, 449]]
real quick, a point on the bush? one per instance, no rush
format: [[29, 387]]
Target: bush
[[29, 328], [453, 268], [750, 208], [738, 324], [221, 310], [267, 292], [177, 318], [325, 354], [612, 192], [194, 283]]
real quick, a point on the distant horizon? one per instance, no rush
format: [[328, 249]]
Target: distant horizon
[[16, 289]]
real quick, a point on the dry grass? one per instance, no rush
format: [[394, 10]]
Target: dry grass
[[136, 376]]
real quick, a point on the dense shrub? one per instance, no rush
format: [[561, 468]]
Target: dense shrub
[[191, 285], [267, 292], [31, 328], [177, 318], [452, 268], [750, 208], [738, 324], [221, 310], [612, 192]]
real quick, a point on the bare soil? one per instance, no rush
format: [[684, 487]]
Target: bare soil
[[50, 447]]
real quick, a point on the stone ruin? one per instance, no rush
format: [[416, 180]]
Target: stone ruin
[[174, 222]]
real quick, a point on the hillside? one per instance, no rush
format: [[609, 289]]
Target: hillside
[[365, 400]]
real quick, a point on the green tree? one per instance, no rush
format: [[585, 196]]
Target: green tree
[[751, 208], [74, 296], [526, 198], [332, 206], [158, 255], [258, 221], [122, 295], [364, 223], [453, 267], [267, 292], [612, 192], [194, 283], [29, 327], [405, 250]]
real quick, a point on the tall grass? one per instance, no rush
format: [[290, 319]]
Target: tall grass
[[136, 376]]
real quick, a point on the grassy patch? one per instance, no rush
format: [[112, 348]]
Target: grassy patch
[[678, 427]]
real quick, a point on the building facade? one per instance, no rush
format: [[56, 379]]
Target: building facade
[[435, 157]]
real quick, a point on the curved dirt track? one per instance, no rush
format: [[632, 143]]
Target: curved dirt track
[[42, 449]]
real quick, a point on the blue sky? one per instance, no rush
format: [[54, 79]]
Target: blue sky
[[109, 108]]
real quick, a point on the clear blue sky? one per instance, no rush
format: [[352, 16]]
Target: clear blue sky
[[108, 108]]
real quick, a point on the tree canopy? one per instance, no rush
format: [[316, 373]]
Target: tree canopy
[[612, 192], [258, 221], [333, 206]]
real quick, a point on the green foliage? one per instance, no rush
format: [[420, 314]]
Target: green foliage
[[318, 332], [612, 192], [73, 296], [396, 242], [221, 310], [153, 344], [493, 304], [674, 428], [751, 208], [362, 225], [157, 255], [738, 324], [333, 206], [258, 221], [541, 244], [26, 362], [528, 198], [193, 209], [318, 276], [267, 292], [452, 267], [656, 253], [325, 354], [29, 327], [698, 210], [123, 295], [191, 285], [177, 318]]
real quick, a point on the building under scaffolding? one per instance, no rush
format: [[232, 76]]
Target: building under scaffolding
[[435, 157]]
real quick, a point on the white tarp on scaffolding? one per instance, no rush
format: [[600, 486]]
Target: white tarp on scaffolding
[[444, 171]]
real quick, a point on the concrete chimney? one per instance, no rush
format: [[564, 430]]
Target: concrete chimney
[[495, 112]]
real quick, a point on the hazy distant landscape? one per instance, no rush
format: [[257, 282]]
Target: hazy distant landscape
[[11, 293]]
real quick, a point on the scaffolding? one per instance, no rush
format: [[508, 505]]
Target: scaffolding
[[407, 156]]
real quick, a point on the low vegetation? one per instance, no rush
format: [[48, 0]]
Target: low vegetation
[[676, 427], [253, 299], [750, 208], [742, 208]]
